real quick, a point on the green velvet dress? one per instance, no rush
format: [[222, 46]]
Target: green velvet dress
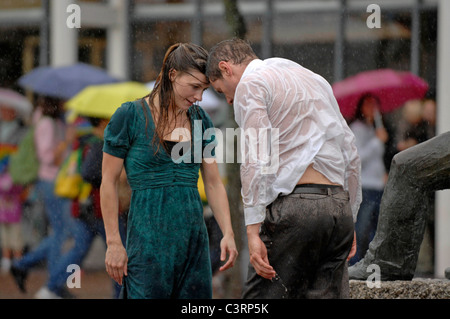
[[167, 241]]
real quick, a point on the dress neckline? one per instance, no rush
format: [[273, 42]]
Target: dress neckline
[[154, 124]]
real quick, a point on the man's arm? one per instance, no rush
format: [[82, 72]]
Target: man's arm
[[252, 118], [258, 253]]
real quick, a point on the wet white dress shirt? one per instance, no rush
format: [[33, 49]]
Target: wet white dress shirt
[[299, 109]]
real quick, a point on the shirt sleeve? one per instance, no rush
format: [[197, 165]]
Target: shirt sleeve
[[117, 139], [352, 170], [252, 117]]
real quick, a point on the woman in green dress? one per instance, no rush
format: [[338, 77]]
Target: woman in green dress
[[162, 142]]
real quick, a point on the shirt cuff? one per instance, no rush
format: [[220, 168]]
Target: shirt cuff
[[254, 215]]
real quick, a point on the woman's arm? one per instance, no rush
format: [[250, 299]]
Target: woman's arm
[[116, 257], [218, 200]]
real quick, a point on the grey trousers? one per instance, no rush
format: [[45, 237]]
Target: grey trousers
[[308, 239]]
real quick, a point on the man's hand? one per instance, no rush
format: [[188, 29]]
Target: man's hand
[[258, 253], [353, 249]]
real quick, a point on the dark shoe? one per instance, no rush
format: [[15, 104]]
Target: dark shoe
[[65, 294], [20, 277]]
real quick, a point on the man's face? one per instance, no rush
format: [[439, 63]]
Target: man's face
[[227, 86]]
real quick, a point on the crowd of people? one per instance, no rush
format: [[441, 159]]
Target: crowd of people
[[327, 167], [68, 218]]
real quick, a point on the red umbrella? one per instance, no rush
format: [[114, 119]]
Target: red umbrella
[[393, 88]]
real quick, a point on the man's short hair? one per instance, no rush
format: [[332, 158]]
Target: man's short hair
[[236, 50]]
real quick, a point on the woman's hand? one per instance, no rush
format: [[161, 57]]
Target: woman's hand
[[218, 201], [228, 246], [116, 262]]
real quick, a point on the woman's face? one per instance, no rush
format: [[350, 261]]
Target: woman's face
[[188, 87], [369, 107]]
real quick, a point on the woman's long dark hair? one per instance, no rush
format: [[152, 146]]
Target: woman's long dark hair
[[359, 114], [182, 57]]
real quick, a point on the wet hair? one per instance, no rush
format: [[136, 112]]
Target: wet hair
[[50, 106], [183, 58], [236, 50]]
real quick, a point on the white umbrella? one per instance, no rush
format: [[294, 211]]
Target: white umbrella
[[16, 101], [209, 102]]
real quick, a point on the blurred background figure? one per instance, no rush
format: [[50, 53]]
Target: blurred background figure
[[413, 128], [429, 116], [88, 222], [14, 112], [51, 143], [371, 137], [416, 125]]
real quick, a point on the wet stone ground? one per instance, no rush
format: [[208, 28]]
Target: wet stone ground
[[415, 289]]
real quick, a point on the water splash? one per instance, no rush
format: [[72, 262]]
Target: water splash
[[277, 278]]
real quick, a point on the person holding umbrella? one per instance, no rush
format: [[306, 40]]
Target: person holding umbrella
[[51, 143], [167, 253], [371, 137], [87, 222]]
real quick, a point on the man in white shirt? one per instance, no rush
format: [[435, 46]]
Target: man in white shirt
[[299, 213]]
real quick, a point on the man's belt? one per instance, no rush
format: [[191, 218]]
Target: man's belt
[[319, 189]]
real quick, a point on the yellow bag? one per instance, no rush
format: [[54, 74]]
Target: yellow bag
[[69, 182]]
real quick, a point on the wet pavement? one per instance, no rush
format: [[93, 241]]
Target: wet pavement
[[95, 284]]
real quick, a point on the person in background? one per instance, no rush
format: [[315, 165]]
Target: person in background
[[12, 130], [418, 124], [371, 137], [51, 139], [87, 223], [429, 116], [302, 193], [413, 129]]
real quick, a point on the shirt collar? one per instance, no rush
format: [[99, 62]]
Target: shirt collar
[[252, 66]]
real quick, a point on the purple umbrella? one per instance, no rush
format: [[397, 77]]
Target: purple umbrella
[[66, 81]]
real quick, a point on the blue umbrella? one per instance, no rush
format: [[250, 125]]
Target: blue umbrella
[[66, 81]]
